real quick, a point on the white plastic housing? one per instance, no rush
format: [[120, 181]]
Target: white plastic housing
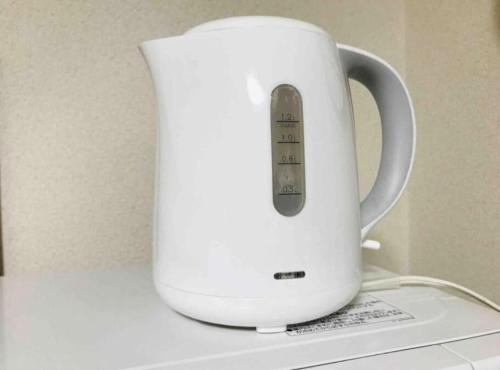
[[218, 238]]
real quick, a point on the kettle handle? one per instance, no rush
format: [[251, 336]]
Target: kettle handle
[[398, 130]]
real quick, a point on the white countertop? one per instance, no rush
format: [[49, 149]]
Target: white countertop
[[113, 319]]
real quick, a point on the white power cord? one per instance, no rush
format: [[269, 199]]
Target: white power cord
[[395, 282]]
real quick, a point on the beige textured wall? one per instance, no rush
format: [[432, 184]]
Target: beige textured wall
[[77, 114], [453, 71]]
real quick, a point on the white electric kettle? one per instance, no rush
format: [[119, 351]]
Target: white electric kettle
[[258, 220]]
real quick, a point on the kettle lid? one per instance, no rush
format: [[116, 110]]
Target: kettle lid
[[254, 21]]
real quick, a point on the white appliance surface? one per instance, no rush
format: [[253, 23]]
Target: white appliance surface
[[483, 351], [424, 358], [114, 319]]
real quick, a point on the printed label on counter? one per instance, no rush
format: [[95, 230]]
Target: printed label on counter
[[363, 310]]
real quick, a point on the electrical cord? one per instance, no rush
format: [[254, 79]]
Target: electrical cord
[[396, 282]]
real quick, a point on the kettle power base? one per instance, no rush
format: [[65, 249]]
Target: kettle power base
[[274, 330], [114, 319], [267, 315]]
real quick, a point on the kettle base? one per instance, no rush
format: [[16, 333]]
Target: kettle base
[[276, 329], [268, 315]]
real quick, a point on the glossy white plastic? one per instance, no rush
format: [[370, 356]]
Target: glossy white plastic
[[218, 238]]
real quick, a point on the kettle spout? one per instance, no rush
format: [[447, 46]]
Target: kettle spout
[[174, 63], [160, 55]]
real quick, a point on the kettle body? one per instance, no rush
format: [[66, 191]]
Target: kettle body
[[257, 212]]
